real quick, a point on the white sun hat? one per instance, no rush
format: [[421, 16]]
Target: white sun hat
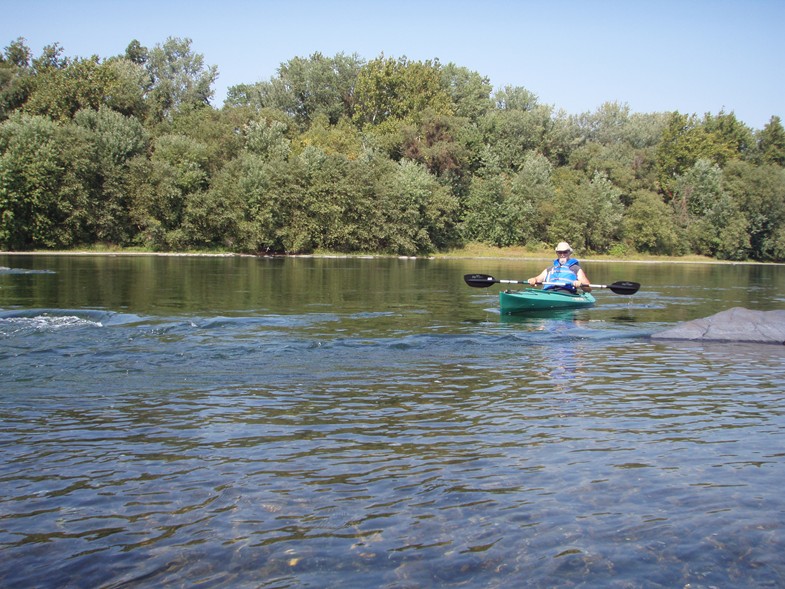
[[563, 247]]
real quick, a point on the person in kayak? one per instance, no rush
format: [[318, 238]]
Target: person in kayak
[[566, 272]]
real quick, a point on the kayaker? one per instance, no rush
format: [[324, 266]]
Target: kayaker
[[566, 271]]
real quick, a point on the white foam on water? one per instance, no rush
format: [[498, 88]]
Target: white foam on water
[[45, 322]]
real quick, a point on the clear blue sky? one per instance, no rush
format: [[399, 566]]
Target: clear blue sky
[[694, 56]]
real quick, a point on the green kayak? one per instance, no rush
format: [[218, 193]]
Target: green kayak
[[532, 299]]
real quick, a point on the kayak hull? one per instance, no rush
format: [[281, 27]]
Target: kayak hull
[[531, 299]]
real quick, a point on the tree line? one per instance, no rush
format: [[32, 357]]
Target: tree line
[[344, 154]]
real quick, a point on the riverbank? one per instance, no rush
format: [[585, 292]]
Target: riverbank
[[480, 251], [470, 251]]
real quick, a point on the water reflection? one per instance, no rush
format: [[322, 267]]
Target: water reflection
[[372, 424]]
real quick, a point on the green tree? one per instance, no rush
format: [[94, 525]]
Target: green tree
[[418, 213], [305, 89], [621, 145], [515, 98], [399, 90], [253, 197], [267, 138], [696, 192], [644, 130], [560, 137], [178, 78], [342, 138], [45, 179], [245, 95], [501, 210], [175, 173], [607, 125], [531, 187], [136, 53], [62, 90], [517, 126], [484, 220], [686, 140], [713, 221], [469, 91], [617, 161], [326, 206], [317, 86], [730, 132], [114, 141], [771, 142], [649, 225], [51, 58], [733, 240], [75, 84], [698, 189], [15, 77], [17, 54], [217, 130], [589, 213], [124, 86], [220, 217], [505, 210], [759, 193]]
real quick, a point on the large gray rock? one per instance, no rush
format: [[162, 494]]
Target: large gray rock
[[734, 325]]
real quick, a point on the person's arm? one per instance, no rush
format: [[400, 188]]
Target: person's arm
[[583, 281], [539, 279]]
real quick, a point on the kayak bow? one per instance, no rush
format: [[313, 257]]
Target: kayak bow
[[531, 299]]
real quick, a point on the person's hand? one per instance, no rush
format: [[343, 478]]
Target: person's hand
[[532, 281], [576, 283]]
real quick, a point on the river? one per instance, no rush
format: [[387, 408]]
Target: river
[[354, 423]]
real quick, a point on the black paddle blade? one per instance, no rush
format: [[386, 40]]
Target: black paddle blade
[[624, 287], [479, 280]]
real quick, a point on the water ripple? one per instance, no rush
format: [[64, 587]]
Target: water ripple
[[264, 450]]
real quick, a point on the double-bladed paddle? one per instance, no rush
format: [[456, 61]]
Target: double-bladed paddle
[[623, 287]]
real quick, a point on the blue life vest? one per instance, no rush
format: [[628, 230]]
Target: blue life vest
[[564, 273]]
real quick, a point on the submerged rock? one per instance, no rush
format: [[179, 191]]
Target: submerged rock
[[734, 325]]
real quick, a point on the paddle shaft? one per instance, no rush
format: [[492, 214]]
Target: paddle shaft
[[483, 281], [622, 287]]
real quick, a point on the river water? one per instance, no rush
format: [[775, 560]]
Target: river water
[[357, 423]]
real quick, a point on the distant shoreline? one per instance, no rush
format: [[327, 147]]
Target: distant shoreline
[[468, 254]]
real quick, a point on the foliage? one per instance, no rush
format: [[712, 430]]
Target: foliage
[[15, 77], [416, 211], [267, 138], [391, 155], [771, 142], [468, 90], [685, 141], [398, 90], [341, 138], [436, 143], [519, 125], [59, 92], [305, 89], [590, 211], [318, 86], [45, 172], [486, 219], [759, 194], [176, 172], [713, 220], [649, 225], [178, 78], [115, 141]]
